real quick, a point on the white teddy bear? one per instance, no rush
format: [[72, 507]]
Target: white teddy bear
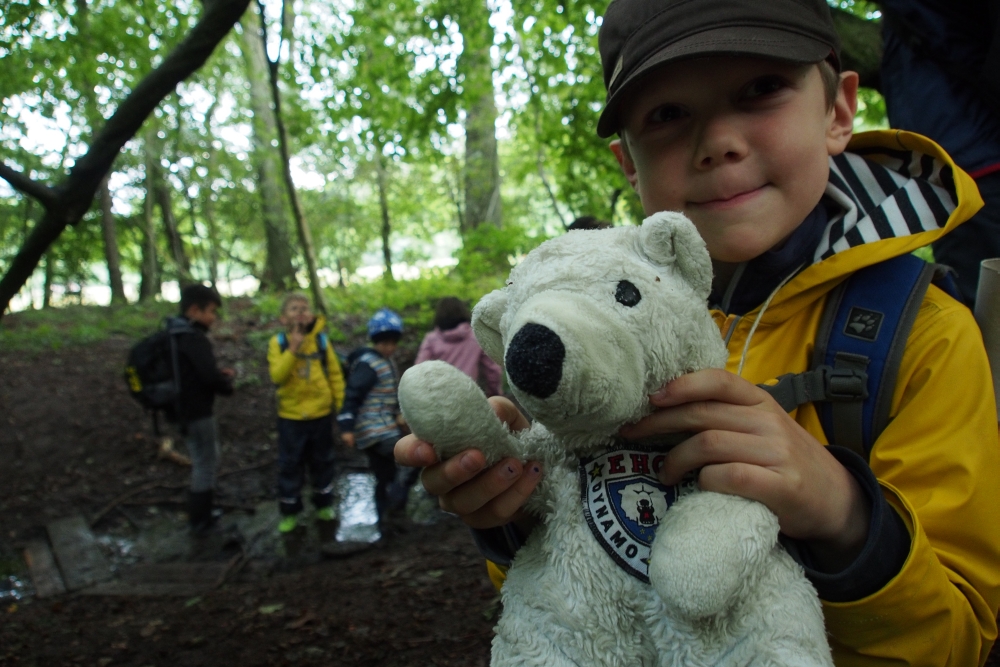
[[621, 571]]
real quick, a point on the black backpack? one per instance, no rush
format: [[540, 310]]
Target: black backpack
[[151, 371]]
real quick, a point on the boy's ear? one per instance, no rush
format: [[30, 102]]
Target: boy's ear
[[841, 126], [625, 161]]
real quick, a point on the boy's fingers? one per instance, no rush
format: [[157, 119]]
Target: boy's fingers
[[508, 413], [443, 477], [504, 508], [702, 416], [711, 448], [413, 452], [740, 479], [464, 499], [712, 384]]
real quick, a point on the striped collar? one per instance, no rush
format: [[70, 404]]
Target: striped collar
[[905, 193]]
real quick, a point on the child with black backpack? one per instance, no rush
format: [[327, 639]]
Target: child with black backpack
[[310, 387], [200, 379]]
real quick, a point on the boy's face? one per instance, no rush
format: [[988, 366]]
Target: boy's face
[[386, 348], [297, 314], [205, 316], [740, 145]]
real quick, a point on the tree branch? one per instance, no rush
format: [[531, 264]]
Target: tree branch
[[43, 193], [77, 190]]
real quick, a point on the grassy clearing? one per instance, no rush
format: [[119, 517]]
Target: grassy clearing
[[55, 328]]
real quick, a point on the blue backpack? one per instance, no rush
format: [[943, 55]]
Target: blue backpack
[[859, 347]]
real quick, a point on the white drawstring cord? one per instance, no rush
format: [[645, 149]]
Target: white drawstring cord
[[746, 346]]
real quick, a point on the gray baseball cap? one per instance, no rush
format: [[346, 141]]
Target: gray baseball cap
[[638, 35]]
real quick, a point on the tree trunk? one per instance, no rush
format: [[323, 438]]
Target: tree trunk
[[383, 203], [861, 46], [83, 47], [161, 194], [49, 276], [279, 273], [149, 287], [301, 225], [67, 202], [111, 256], [482, 163]]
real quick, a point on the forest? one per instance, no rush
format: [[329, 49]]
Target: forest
[[265, 146]]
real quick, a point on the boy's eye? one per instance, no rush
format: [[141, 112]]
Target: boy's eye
[[666, 113], [765, 85]]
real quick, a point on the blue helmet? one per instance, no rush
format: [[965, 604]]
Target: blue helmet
[[384, 320]]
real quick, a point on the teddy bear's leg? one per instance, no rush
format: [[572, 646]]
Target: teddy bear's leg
[[443, 406], [705, 550], [782, 619]]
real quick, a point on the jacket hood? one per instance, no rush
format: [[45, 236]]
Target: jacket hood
[[898, 191], [458, 334], [319, 325]]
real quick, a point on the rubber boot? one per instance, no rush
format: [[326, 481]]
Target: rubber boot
[[200, 516]]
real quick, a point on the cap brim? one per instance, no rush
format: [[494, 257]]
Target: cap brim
[[731, 41]]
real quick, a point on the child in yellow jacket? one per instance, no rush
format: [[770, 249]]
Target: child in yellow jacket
[[310, 388]]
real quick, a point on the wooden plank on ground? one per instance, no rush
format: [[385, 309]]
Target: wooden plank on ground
[[44, 572], [76, 550], [163, 579]]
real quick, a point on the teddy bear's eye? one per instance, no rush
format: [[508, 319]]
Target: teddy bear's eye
[[627, 294]]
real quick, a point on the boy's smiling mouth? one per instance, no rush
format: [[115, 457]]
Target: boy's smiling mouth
[[729, 201]]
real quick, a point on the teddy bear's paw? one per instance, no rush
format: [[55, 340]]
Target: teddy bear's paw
[[446, 408], [707, 552]]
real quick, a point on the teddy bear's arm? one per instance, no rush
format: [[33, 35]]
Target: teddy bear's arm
[[446, 408]]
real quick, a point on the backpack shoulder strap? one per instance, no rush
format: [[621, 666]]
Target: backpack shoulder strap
[[859, 347], [321, 345]]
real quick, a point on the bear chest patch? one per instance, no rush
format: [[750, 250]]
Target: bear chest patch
[[624, 502]]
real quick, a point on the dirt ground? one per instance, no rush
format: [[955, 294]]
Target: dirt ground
[[73, 441]]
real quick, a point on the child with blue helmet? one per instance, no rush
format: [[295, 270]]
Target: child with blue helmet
[[370, 419]]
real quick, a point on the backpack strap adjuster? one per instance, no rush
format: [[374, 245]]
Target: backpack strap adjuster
[[843, 385]]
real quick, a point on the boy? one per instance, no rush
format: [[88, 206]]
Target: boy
[[310, 386], [370, 419], [736, 114], [200, 380]]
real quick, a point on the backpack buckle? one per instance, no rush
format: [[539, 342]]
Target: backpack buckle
[[844, 384]]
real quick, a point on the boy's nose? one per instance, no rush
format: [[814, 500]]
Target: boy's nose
[[534, 360], [720, 142]]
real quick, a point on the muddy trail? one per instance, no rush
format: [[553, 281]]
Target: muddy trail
[[76, 447]]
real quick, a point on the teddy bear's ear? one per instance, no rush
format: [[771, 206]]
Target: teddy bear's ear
[[486, 323], [669, 238]]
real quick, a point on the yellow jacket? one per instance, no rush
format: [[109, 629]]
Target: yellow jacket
[[937, 461], [304, 392]]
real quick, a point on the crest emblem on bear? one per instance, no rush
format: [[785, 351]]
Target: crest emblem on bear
[[624, 503]]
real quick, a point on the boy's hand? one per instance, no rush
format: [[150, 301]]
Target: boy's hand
[[481, 497], [347, 439], [295, 340], [746, 445]]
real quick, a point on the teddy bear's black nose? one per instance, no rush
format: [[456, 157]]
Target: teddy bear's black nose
[[534, 360]]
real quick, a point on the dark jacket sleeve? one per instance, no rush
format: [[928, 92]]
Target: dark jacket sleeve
[[360, 381], [880, 559], [198, 351]]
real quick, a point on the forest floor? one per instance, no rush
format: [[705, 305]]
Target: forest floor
[[74, 442]]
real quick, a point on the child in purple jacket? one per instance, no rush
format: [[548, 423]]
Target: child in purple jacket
[[452, 341]]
